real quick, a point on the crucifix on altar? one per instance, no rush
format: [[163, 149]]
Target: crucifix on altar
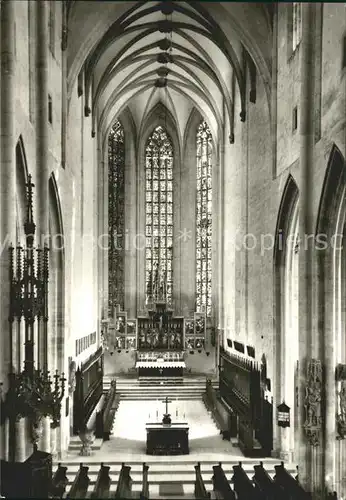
[[167, 438], [166, 417]]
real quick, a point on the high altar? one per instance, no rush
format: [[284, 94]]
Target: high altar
[[159, 338], [160, 343]]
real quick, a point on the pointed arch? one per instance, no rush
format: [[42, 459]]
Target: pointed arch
[[331, 298], [288, 202], [160, 115], [286, 287], [204, 217], [57, 335], [332, 190], [21, 180], [159, 197], [116, 216], [55, 206]]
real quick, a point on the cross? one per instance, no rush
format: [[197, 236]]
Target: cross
[[166, 400]]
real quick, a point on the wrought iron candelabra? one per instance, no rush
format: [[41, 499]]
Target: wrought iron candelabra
[[31, 392]]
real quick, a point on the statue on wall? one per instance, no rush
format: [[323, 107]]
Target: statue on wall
[[313, 398], [72, 376], [341, 415]]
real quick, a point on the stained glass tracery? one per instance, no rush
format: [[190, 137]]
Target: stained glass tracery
[[159, 216], [204, 220], [116, 219], [297, 24]]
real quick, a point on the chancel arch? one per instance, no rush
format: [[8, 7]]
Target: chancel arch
[[286, 287]]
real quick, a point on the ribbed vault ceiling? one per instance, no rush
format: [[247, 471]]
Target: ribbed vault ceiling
[[181, 54]]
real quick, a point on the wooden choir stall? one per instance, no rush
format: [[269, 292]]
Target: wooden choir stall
[[242, 388], [88, 390]]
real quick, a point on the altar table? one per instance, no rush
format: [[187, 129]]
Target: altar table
[[172, 439]]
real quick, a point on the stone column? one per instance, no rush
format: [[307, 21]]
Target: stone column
[[42, 159], [20, 446], [4, 441], [53, 442], [7, 186], [104, 228], [103, 242], [306, 254], [188, 183], [220, 165], [177, 228], [44, 443], [130, 240]]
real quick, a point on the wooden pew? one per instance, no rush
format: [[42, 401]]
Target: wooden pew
[[144, 494], [59, 482], [80, 484], [288, 485], [265, 486], [108, 416], [200, 489], [243, 486], [105, 417], [103, 483], [221, 485], [124, 486]]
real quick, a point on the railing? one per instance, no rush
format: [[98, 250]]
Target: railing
[[105, 417]]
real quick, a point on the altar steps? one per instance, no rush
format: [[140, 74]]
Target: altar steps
[[166, 473], [152, 389]]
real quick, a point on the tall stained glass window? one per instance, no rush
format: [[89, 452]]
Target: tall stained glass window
[[159, 216], [204, 220], [116, 221], [296, 24]]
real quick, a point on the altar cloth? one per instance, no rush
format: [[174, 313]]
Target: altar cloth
[[160, 364]]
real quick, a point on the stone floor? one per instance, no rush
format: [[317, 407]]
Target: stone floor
[[170, 477], [128, 439]]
